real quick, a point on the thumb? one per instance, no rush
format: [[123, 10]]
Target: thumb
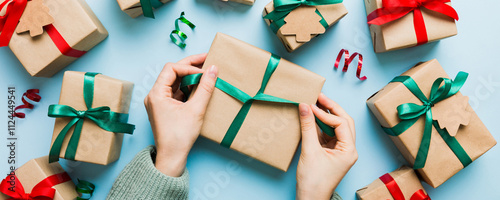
[[204, 91], [310, 139]]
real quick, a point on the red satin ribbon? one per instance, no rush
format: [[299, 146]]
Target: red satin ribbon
[[396, 192], [394, 9], [348, 59], [32, 95], [41, 191], [9, 21]]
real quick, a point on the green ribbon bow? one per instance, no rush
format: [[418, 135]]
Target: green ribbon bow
[[148, 5], [411, 113], [177, 31], [283, 7], [85, 189], [246, 99], [102, 116]]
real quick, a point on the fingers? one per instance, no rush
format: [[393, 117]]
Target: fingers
[[310, 140], [341, 125], [170, 73], [336, 109], [204, 91], [194, 60]]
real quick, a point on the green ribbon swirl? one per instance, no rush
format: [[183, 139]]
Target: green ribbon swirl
[[283, 7], [411, 113], [179, 33], [246, 99], [148, 5], [102, 116], [85, 189]]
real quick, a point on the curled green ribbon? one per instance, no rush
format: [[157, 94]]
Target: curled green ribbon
[[410, 113], [148, 5], [102, 116], [85, 189], [179, 33], [246, 99], [283, 7]]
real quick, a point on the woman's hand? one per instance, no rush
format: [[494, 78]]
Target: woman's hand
[[176, 125], [324, 160]]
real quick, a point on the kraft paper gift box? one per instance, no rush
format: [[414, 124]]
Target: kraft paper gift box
[[75, 23], [247, 2], [271, 131], [307, 23], [95, 145], [404, 178], [134, 7], [457, 123], [401, 33], [36, 170]]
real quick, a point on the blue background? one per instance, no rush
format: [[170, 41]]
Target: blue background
[[137, 49]]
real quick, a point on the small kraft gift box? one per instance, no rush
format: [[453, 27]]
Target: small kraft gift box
[[296, 22], [136, 8], [398, 24], [253, 109], [431, 122], [247, 2], [91, 118], [401, 184], [47, 35], [37, 179]]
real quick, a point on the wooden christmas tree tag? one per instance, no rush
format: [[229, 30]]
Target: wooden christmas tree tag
[[302, 22], [35, 17], [451, 113]]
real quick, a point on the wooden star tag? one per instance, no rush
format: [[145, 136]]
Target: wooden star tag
[[451, 113], [302, 22], [35, 17]]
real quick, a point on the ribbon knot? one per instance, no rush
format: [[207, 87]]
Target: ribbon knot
[[81, 114], [42, 190]]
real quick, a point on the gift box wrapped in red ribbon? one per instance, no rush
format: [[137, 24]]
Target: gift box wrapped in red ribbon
[[60, 31], [397, 24]]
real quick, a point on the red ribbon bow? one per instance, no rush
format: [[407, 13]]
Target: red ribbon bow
[[394, 9], [396, 192], [8, 24], [41, 191]]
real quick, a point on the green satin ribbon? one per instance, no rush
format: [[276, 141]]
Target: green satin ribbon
[[246, 99], [410, 113], [102, 116], [283, 7], [148, 5], [85, 189], [179, 33]]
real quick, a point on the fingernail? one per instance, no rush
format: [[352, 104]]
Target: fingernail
[[304, 110], [212, 71]]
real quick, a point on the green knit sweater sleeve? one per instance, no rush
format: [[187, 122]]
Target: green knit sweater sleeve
[[141, 180], [336, 196]]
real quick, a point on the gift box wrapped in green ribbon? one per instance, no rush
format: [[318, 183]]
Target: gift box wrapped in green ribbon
[[431, 122], [296, 22], [91, 118], [136, 8], [253, 109]]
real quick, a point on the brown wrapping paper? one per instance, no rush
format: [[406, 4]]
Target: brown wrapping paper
[[331, 13], [133, 7], [400, 33], [96, 145], [77, 24], [247, 2], [271, 131], [35, 170], [406, 179], [441, 162]]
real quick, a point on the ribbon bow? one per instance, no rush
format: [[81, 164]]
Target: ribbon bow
[[101, 116], [394, 9], [410, 113], [283, 7], [246, 99], [42, 190], [396, 192]]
